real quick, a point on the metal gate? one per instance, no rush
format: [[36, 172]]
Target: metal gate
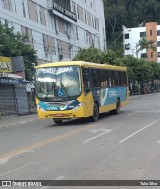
[[7, 100], [21, 99]]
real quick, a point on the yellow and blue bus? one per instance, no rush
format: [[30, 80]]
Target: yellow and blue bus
[[77, 89]]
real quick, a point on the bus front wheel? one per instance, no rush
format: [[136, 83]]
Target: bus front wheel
[[58, 122], [95, 112]]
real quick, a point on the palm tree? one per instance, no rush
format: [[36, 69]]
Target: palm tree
[[145, 44]]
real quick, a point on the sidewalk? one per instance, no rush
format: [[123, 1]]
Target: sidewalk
[[9, 121]]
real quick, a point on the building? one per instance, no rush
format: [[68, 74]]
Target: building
[[57, 29], [131, 37]]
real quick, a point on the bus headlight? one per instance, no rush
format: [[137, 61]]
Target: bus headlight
[[78, 106], [40, 108]]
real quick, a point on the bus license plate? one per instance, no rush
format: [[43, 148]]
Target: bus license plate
[[59, 115]]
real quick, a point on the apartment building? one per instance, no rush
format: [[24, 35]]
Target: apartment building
[[131, 37], [57, 29]]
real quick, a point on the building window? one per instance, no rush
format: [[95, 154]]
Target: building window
[[89, 19], [127, 46], [45, 43], [158, 32], [28, 33], [23, 7], [74, 7], [126, 36], [143, 55], [85, 15], [2, 3], [77, 36], [61, 25], [42, 16], [158, 54], [158, 43], [80, 13], [150, 32], [7, 4], [63, 49], [49, 44], [142, 34], [32, 11], [151, 54], [92, 22]]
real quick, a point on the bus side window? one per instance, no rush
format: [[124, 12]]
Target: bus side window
[[103, 78], [95, 78], [117, 78], [120, 78], [111, 78], [124, 78], [86, 78]]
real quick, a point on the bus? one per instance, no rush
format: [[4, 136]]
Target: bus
[[78, 89]]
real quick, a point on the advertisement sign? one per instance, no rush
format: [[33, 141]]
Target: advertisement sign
[[12, 81], [65, 12], [5, 64]]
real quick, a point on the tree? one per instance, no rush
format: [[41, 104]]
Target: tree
[[91, 54], [115, 15], [13, 44], [146, 44]]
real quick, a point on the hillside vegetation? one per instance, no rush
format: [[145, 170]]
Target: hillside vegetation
[[130, 13]]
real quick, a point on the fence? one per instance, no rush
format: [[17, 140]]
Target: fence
[[144, 87]]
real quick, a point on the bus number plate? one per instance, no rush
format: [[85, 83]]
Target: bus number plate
[[59, 115]]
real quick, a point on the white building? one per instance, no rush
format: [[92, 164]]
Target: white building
[[131, 37], [57, 29]]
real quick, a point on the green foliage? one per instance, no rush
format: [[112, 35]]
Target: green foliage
[[13, 44], [91, 55], [130, 13], [138, 69], [115, 12], [146, 44]]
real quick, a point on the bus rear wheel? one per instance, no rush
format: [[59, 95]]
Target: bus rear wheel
[[58, 121], [95, 112], [118, 106]]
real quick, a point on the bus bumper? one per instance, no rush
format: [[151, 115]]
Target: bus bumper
[[66, 114]]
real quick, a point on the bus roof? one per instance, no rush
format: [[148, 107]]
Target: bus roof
[[82, 63]]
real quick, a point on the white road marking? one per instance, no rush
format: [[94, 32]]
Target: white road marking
[[60, 178], [6, 159], [121, 141], [97, 130], [19, 168], [130, 114]]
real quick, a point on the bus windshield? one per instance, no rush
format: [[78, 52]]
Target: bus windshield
[[58, 83]]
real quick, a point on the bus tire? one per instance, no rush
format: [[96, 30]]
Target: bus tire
[[118, 106], [95, 112], [57, 121]]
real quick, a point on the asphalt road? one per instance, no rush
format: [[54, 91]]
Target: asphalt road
[[116, 147]]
